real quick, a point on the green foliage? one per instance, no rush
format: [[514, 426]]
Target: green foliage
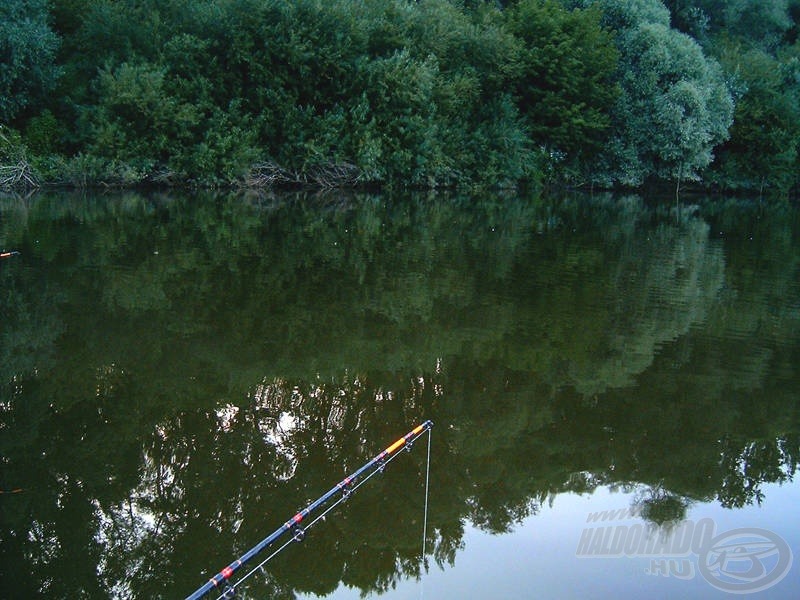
[[27, 56], [761, 23], [389, 88], [84, 170], [226, 149], [134, 114], [622, 15], [12, 148], [756, 45], [566, 88], [399, 93], [690, 18], [674, 107], [681, 103], [429, 93], [43, 133], [763, 149]]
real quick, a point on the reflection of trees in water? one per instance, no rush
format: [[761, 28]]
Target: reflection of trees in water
[[185, 376], [643, 287], [210, 489], [659, 506]]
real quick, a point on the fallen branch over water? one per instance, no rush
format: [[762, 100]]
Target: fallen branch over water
[[324, 176], [18, 176]]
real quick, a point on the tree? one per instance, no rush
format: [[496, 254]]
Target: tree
[[27, 56], [566, 87], [764, 23], [763, 149], [621, 15], [690, 18], [681, 107], [674, 106]]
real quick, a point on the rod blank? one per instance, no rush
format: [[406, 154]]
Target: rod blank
[[340, 488]]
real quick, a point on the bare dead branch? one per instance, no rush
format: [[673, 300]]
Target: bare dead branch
[[18, 176], [331, 175]]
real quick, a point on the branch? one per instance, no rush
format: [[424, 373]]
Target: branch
[[18, 176], [329, 175]]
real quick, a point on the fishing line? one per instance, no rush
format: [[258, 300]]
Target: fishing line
[[306, 528], [424, 563], [343, 489], [425, 511], [427, 488], [318, 518]]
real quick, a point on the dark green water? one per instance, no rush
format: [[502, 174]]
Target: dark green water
[[179, 375]]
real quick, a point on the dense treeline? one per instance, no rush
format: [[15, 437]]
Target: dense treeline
[[426, 93]]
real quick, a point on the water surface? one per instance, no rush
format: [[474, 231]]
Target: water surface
[[180, 374]]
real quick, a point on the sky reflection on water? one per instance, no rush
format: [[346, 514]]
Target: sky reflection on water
[[180, 374]]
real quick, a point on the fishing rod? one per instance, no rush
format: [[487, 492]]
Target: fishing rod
[[9, 254], [344, 488]]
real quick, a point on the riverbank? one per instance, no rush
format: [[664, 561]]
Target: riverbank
[[84, 173], [395, 94]]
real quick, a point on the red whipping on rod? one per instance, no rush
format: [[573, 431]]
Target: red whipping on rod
[[341, 491]]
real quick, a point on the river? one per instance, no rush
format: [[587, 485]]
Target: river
[[613, 382]]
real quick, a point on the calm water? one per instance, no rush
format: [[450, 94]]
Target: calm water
[[614, 385]]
